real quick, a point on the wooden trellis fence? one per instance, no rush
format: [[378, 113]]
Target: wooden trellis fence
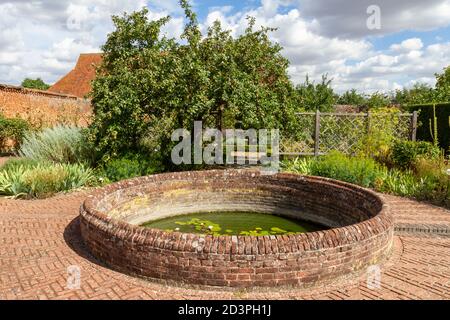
[[321, 133]]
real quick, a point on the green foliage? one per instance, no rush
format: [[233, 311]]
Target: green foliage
[[357, 170], [147, 79], [19, 162], [401, 183], [378, 100], [420, 93], [60, 144], [202, 226], [259, 232], [352, 97], [436, 175], [35, 84], [36, 179], [443, 85], [12, 130], [299, 165], [406, 153], [428, 181], [382, 132], [426, 130], [312, 96], [129, 166]]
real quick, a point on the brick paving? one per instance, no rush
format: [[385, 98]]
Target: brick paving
[[39, 240]]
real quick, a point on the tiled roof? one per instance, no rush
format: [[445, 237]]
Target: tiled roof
[[78, 81]]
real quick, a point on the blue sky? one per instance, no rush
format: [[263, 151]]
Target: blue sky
[[428, 37], [410, 43]]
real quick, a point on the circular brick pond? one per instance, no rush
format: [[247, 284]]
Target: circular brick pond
[[357, 228]]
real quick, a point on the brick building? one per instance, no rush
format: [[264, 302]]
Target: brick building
[[64, 102]]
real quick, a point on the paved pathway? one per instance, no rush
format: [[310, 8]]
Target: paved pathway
[[40, 239]]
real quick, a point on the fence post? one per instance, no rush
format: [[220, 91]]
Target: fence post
[[413, 133], [317, 134]]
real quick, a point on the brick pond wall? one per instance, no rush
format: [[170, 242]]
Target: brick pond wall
[[360, 228]]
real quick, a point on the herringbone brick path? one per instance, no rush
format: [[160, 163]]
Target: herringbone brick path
[[39, 241]]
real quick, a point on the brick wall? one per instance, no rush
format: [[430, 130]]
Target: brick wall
[[360, 233], [42, 108]]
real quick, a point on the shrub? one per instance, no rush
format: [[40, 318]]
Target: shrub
[[426, 129], [434, 172], [357, 170], [130, 166], [383, 128], [401, 183], [429, 181], [213, 77], [352, 97], [16, 162], [299, 165], [60, 144], [33, 179], [12, 132], [406, 153], [38, 84], [312, 96], [378, 100]]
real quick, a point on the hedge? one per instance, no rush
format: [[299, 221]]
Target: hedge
[[12, 132], [443, 121]]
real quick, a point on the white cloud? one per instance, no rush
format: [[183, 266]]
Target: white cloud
[[45, 38], [301, 44], [384, 71], [408, 45], [270, 7], [318, 37], [352, 62], [68, 49], [347, 18]]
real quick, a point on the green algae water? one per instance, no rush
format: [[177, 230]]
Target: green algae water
[[233, 223]]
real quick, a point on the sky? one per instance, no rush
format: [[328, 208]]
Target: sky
[[369, 45]]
